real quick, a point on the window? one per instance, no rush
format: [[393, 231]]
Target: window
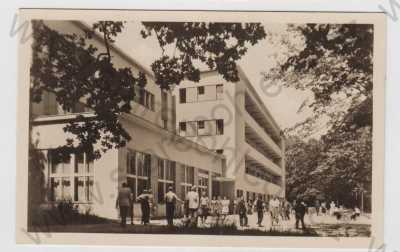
[[166, 177], [164, 105], [239, 193], [203, 181], [182, 128], [149, 102], [201, 93], [144, 97], [138, 171], [220, 92], [220, 127], [83, 178], [200, 124], [206, 128], [220, 151], [200, 90], [187, 180], [182, 95], [201, 128], [71, 177], [191, 129]]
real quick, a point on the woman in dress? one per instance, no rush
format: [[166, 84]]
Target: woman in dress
[[225, 208]]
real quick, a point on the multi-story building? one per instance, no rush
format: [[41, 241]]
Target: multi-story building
[[231, 119], [155, 157], [214, 134]]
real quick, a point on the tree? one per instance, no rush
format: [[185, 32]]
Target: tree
[[335, 64], [72, 68], [217, 45]]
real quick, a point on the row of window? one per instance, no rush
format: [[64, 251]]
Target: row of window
[[144, 97], [262, 174], [201, 128], [139, 170], [71, 178], [201, 93]]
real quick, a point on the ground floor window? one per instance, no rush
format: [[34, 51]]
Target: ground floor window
[[203, 181], [239, 193], [138, 171], [166, 177], [71, 177], [187, 180]]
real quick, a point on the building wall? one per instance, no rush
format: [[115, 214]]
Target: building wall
[[150, 134], [105, 186], [232, 109]]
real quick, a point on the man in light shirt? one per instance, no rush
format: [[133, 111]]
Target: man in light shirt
[[170, 202], [274, 209], [193, 204]]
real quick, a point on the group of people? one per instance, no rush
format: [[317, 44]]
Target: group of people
[[198, 206], [277, 208], [125, 202]]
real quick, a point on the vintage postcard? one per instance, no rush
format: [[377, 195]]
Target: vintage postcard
[[200, 128]]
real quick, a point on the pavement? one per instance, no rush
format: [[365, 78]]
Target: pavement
[[315, 226], [323, 225]]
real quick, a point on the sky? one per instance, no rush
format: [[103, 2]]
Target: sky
[[283, 103]]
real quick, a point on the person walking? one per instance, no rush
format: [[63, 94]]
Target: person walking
[[260, 210], [204, 207], [274, 209], [193, 204], [225, 208], [243, 220], [124, 202], [300, 211], [332, 208], [145, 207], [170, 201], [317, 206], [323, 208]]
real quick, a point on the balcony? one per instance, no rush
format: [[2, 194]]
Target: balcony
[[257, 135], [263, 119], [254, 157]]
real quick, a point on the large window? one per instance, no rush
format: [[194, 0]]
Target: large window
[[203, 181], [239, 193], [71, 177], [207, 128], [201, 128], [182, 95], [144, 98], [138, 171], [187, 180], [201, 93], [166, 177]]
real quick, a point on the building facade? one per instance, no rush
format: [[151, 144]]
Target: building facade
[[216, 135], [231, 119], [155, 158]]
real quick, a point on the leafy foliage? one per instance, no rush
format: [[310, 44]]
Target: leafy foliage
[[76, 72], [336, 65], [217, 45]]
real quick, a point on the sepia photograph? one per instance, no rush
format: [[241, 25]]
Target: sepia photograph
[[249, 126]]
